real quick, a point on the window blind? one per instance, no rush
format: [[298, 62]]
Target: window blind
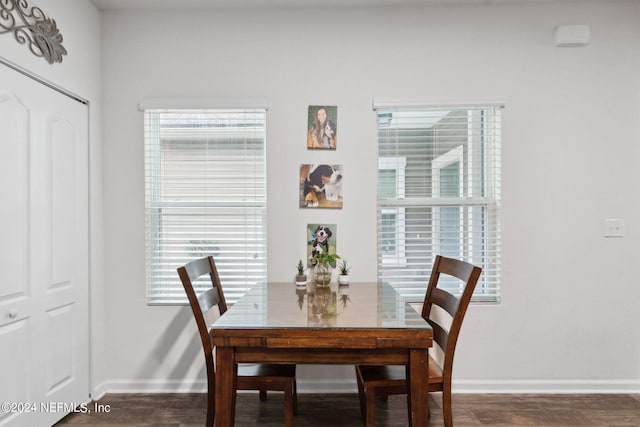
[[205, 194], [438, 194]]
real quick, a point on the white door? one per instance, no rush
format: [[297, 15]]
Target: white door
[[44, 334]]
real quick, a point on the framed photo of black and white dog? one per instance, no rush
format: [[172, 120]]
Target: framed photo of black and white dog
[[322, 127], [321, 238], [321, 186]]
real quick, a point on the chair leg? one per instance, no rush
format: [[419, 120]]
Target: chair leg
[[211, 402], [234, 395], [361, 395], [370, 417], [263, 395], [447, 410], [210, 414], [295, 398], [288, 405]]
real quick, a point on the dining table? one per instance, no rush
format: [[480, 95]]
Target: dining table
[[357, 324]]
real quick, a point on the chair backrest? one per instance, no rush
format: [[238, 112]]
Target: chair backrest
[[203, 303], [456, 306]]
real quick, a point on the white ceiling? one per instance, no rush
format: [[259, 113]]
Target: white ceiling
[[240, 4]]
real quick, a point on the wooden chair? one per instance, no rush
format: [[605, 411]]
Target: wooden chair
[[388, 380], [260, 377]]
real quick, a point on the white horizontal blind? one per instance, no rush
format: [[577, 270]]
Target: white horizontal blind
[[205, 194], [438, 194]]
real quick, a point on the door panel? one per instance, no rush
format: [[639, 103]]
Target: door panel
[[60, 347], [14, 209], [62, 214], [14, 367], [44, 259], [15, 321]]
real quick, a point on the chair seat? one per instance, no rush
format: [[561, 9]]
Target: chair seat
[[395, 375]]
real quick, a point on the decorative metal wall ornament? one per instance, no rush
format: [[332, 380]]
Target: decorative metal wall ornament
[[30, 26]]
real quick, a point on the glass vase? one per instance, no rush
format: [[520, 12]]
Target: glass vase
[[322, 274]]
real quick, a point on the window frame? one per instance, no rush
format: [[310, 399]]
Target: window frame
[[478, 199], [196, 192]]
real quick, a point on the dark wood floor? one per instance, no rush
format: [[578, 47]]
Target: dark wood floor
[[188, 410]]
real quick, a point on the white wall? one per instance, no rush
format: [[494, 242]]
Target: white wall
[[568, 318], [79, 23]]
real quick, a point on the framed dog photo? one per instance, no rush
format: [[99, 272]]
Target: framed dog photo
[[321, 186], [321, 238], [322, 127]]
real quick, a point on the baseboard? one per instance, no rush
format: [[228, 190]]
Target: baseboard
[[99, 391], [157, 386], [547, 386], [327, 386], [200, 386], [349, 386]]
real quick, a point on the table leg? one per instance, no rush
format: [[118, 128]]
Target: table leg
[[418, 375], [225, 387]]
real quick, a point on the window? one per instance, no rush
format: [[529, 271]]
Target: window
[[205, 194], [438, 194]]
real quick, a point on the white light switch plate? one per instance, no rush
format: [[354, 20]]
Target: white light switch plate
[[613, 227]]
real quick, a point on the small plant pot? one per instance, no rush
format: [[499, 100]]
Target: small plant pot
[[343, 279], [301, 279]]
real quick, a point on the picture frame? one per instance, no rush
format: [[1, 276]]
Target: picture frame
[[321, 237], [322, 127], [321, 186]]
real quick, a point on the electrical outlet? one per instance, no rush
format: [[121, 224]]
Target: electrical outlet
[[613, 227]]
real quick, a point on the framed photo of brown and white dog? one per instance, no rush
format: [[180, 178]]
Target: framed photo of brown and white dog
[[321, 238], [321, 186], [322, 127]]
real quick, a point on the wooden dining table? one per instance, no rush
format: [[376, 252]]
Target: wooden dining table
[[360, 323]]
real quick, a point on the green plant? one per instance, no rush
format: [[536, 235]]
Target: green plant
[[344, 269], [326, 258], [300, 268]]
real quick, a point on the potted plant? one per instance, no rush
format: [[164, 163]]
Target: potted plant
[[301, 278], [343, 278], [323, 265]]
